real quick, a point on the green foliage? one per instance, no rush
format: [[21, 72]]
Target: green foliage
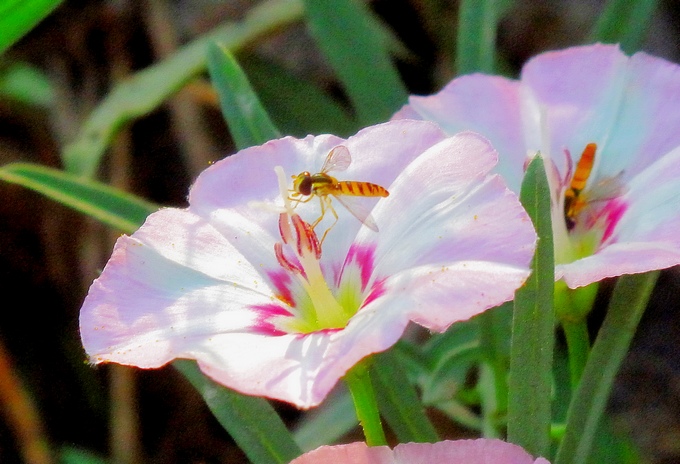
[[356, 47], [148, 89], [26, 84], [531, 352], [247, 119], [627, 304], [295, 105], [625, 22], [72, 455], [251, 421], [398, 401], [327, 423], [17, 17], [113, 207]]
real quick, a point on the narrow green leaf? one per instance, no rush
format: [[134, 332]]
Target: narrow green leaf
[[147, 89], [476, 41], [113, 207], [625, 22], [72, 455], [247, 119], [531, 351], [17, 17], [628, 302], [251, 421], [296, 105], [398, 401], [495, 326], [27, 84], [358, 380], [327, 423], [355, 46]]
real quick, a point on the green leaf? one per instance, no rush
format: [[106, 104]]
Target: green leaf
[[531, 351], [358, 380], [452, 355], [27, 84], [627, 304], [17, 17], [327, 423], [356, 48], [476, 42], [247, 119], [625, 22], [398, 401], [72, 455], [147, 89], [251, 421], [113, 207], [297, 106]]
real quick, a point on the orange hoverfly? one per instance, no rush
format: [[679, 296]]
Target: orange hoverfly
[[575, 199], [324, 186]]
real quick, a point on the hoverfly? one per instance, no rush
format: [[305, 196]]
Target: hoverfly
[[324, 186], [575, 199]]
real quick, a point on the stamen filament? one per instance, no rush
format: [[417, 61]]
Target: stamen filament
[[327, 312]]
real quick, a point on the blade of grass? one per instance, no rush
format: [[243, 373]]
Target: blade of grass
[[531, 351], [113, 207], [17, 17], [146, 90], [247, 119], [27, 84], [476, 40], [628, 302], [356, 48], [327, 423], [398, 401], [625, 22], [251, 421], [296, 106]]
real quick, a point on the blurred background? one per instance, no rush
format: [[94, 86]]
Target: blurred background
[[53, 79]]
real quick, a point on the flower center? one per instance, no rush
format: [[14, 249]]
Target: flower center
[[589, 212], [299, 254]]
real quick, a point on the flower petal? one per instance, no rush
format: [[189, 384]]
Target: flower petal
[[646, 237], [469, 240], [489, 105], [354, 453], [482, 450], [174, 280], [580, 90], [478, 451]]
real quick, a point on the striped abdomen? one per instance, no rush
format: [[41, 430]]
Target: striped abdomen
[[360, 189], [572, 203]]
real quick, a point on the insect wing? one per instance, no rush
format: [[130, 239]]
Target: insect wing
[[338, 159], [607, 188], [358, 210]]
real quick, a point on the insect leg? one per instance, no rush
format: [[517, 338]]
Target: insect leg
[[329, 204], [296, 198]]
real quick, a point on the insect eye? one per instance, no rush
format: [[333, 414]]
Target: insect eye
[[305, 186], [303, 183]]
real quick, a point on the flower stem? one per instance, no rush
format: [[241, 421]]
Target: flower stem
[[578, 344], [359, 383], [628, 302], [572, 307]]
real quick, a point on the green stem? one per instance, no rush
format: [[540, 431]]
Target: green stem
[[628, 302], [578, 345], [572, 307], [359, 383]]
